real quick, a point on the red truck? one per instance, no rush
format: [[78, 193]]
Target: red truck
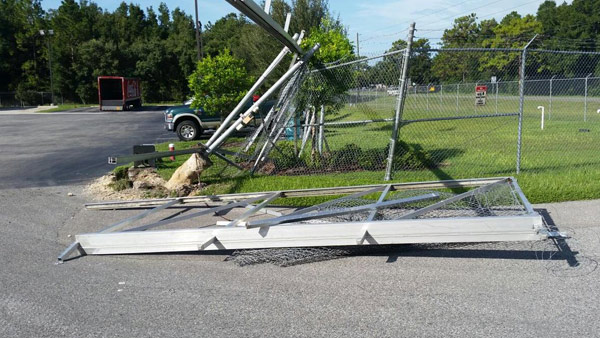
[[119, 93]]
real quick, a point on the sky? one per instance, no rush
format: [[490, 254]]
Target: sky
[[378, 22]]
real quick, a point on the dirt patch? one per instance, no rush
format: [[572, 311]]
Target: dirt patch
[[101, 189], [137, 183]]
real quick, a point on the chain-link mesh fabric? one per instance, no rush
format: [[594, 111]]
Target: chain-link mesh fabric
[[500, 200], [460, 118]]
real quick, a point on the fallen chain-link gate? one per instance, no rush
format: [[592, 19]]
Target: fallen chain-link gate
[[456, 211]]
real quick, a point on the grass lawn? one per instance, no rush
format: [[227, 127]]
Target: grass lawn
[[67, 106], [559, 163]]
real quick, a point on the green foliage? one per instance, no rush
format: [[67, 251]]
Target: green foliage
[[158, 46], [351, 157], [120, 185], [284, 156], [513, 32], [219, 83], [335, 45], [121, 171], [327, 86]]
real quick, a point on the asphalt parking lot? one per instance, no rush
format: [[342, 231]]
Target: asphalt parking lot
[[47, 149], [533, 289]]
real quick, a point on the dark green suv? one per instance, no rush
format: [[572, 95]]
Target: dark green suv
[[190, 123]]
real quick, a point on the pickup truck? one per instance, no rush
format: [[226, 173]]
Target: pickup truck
[[189, 123]]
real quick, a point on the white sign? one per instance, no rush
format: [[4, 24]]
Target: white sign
[[480, 95]]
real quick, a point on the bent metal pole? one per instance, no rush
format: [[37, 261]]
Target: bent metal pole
[[251, 91], [400, 103], [213, 146]]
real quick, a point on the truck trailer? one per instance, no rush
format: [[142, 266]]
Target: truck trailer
[[119, 93]]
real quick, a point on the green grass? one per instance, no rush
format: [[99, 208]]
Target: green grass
[[559, 163], [69, 106], [162, 103], [65, 107]]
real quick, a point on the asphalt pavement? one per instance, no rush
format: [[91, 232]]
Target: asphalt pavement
[[47, 149], [532, 289]]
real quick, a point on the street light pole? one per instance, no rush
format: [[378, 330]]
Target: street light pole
[[50, 33], [201, 43], [197, 30]]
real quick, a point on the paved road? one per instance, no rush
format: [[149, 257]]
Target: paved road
[[45, 149]]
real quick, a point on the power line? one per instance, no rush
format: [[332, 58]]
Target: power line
[[425, 16]]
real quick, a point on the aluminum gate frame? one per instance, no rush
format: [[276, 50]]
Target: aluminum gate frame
[[287, 231]]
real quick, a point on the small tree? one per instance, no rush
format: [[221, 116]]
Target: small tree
[[327, 87], [219, 83]]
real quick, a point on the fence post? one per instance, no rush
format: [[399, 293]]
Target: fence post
[[522, 102], [427, 95], [441, 93], [457, 90], [475, 105], [497, 83], [550, 107], [321, 121], [585, 98], [400, 103]]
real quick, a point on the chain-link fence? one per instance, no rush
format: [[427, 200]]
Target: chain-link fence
[[27, 99], [341, 123], [463, 113]]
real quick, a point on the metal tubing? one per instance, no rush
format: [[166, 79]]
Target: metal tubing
[[524, 200], [149, 156], [255, 209], [263, 98], [261, 18], [338, 200], [120, 225], [69, 250], [497, 97], [381, 198], [333, 191], [457, 92], [275, 132], [585, 98], [550, 106], [295, 56], [321, 129], [307, 122], [251, 91], [201, 213], [459, 117], [443, 230], [521, 103], [482, 189], [399, 104], [427, 95], [286, 26], [337, 212]]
